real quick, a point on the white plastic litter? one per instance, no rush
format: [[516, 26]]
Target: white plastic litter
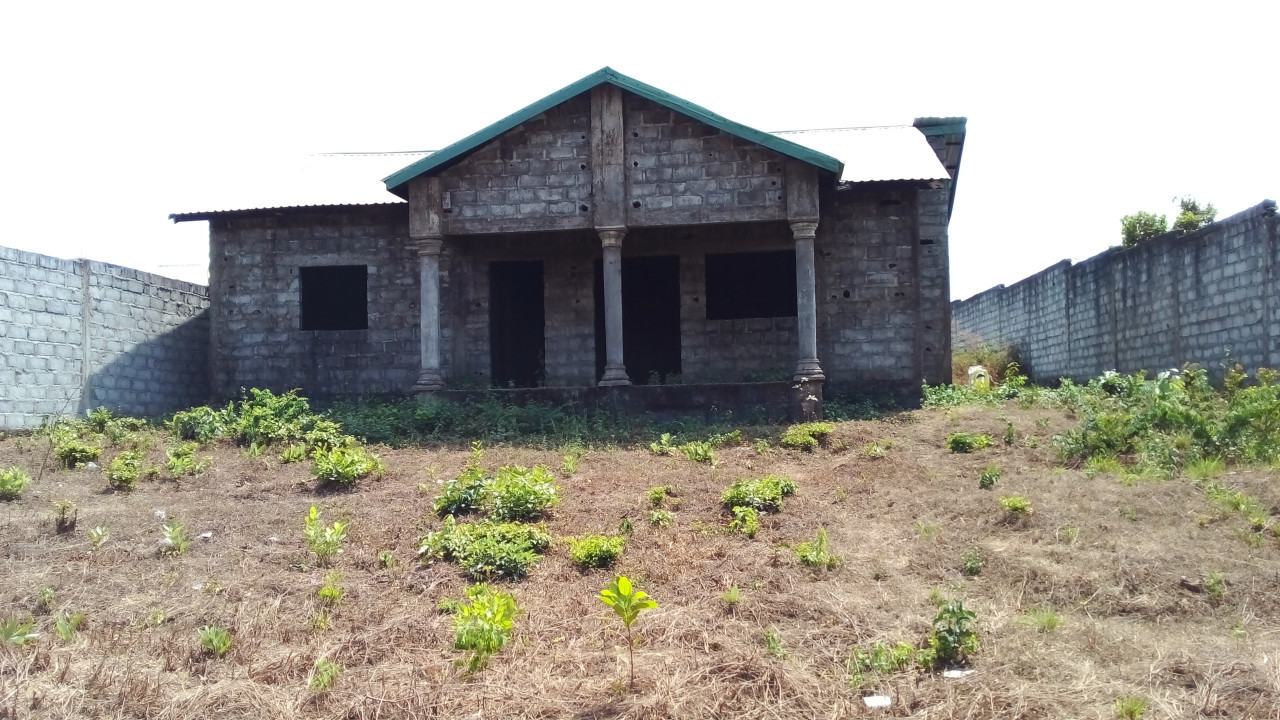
[[877, 700], [956, 673], [272, 540], [160, 515], [91, 465], [206, 535]]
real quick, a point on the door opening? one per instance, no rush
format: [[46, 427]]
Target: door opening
[[517, 321], [650, 318]]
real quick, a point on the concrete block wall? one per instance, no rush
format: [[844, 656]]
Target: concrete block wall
[[254, 280], [77, 334], [1172, 300]]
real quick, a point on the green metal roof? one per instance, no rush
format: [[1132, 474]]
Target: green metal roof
[[396, 182]]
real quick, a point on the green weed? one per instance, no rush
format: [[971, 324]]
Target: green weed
[[879, 659], [182, 460], [1043, 619], [330, 593], [806, 436], [963, 442], [343, 465], [66, 626], [12, 482], [1016, 506], [294, 453], [815, 554], [731, 597], [123, 471], [324, 541], [988, 477], [773, 645], [765, 494], [1131, 707], [661, 518], [215, 640], [324, 675], [596, 551], [955, 634], [746, 521], [518, 494], [98, 535], [487, 549], [971, 562], [699, 452], [17, 632]]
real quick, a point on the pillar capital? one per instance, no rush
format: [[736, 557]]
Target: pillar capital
[[807, 230], [611, 236], [427, 245]]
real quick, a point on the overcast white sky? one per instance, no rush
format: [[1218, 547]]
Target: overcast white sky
[[117, 114]]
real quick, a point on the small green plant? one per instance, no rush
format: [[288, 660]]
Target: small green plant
[[1205, 468], [486, 549], [876, 449], [571, 460], [1140, 227], [955, 634], [45, 599], [1131, 707], [664, 446], [731, 597], [215, 640], [627, 603], [661, 518], [815, 554], [806, 436], [254, 450], [1216, 586], [765, 494], [762, 446], [626, 527], [731, 438], [971, 562], [1016, 506], [98, 535], [879, 659], [773, 645], [294, 453], [330, 593], [657, 495], [963, 442], [66, 626], [518, 494], [596, 551], [320, 621], [1191, 216], [343, 465], [1010, 435], [71, 451], [928, 530], [182, 460], [1103, 465], [464, 493], [988, 477], [387, 559], [17, 632], [175, 541], [745, 520], [1043, 619], [483, 626], [324, 675], [324, 541], [699, 452], [66, 515], [123, 471], [12, 482]]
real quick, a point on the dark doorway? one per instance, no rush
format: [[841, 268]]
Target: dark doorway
[[650, 318], [516, 323]]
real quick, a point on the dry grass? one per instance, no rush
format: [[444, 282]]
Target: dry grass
[[1136, 620]]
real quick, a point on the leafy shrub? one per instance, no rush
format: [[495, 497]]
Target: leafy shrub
[[972, 562], [324, 675], [464, 493], [699, 452], [988, 477], [571, 460], [199, 424], [1191, 216], [746, 521], [765, 494], [596, 551], [1016, 506], [814, 554], [805, 436], [71, 451], [487, 549], [183, 460], [323, 541], [483, 626], [661, 518], [664, 445], [176, 541], [518, 494], [294, 453], [962, 442], [1141, 227], [879, 659], [955, 634], [12, 482], [343, 465], [123, 471], [215, 640]]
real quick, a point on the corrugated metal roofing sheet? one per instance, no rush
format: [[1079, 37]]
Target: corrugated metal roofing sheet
[[897, 152]]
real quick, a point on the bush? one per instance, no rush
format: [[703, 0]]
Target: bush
[[815, 554], [765, 494], [183, 460], [1141, 227], [487, 549], [988, 477], [12, 482], [962, 442], [125, 469], [519, 494], [955, 634], [464, 493], [1016, 506], [343, 466], [1191, 216], [596, 551], [805, 436], [199, 424], [746, 521], [71, 451], [483, 626], [323, 541]]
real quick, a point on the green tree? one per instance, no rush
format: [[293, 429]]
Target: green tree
[[1141, 227], [1192, 216]]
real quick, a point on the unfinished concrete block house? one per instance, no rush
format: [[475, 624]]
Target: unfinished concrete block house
[[608, 235]]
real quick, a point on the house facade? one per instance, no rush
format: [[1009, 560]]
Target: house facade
[[608, 235]]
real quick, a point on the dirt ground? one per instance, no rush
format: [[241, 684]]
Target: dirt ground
[[1127, 567]]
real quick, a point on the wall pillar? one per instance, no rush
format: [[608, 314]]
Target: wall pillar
[[615, 373], [807, 367], [429, 378]]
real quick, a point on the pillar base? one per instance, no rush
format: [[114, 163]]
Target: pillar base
[[614, 375], [809, 369], [428, 381]]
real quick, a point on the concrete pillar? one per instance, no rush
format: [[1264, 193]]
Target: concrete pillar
[[429, 378], [807, 368], [615, 373]]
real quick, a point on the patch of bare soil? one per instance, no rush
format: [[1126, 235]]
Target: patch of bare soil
[[1131, 569]]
